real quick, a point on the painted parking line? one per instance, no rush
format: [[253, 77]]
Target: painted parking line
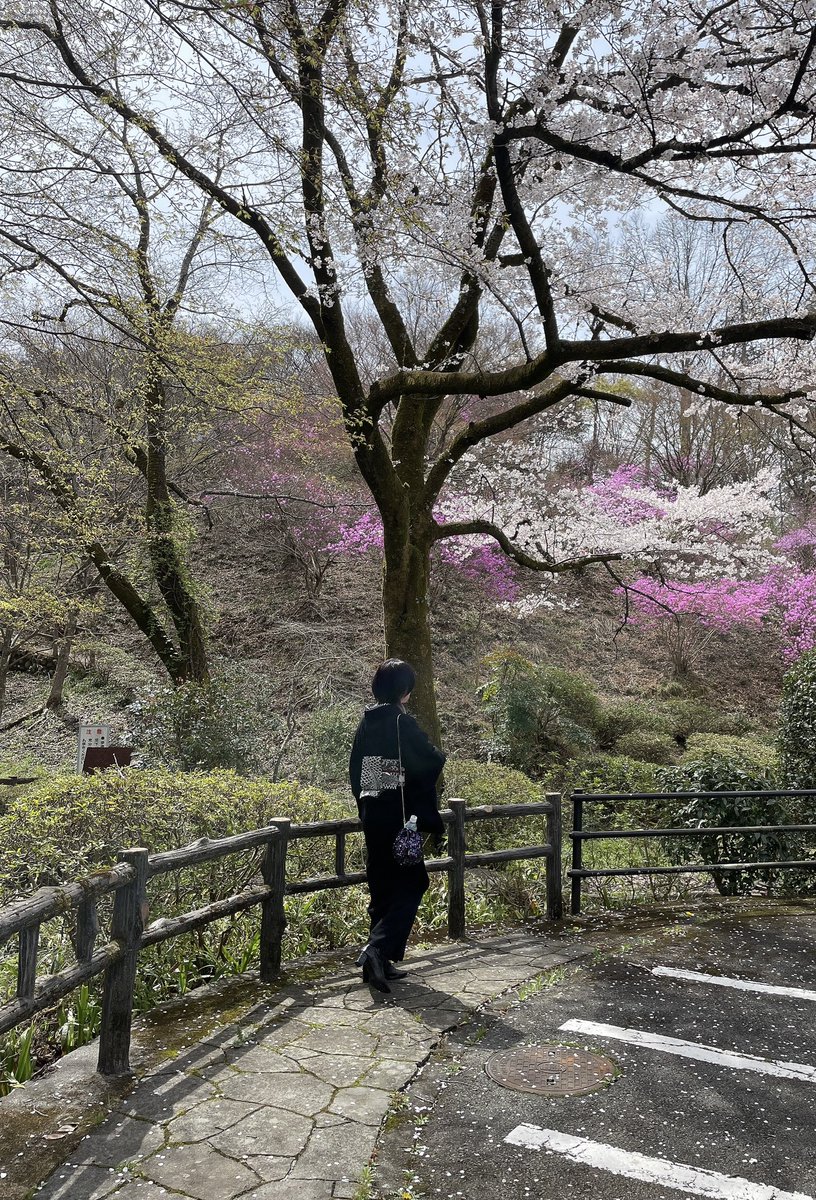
[[693, 1181], [742, 985], [684, 1049]]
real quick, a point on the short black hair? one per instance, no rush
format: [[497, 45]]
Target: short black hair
[[392, 680]]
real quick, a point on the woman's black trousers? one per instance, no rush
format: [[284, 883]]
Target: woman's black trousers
[[395, 891]]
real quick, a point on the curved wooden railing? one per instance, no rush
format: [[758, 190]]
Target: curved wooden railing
[[129, 882]]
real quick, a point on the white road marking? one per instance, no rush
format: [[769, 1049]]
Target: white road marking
[[742, 985], [692, 1180], [670, 1045]]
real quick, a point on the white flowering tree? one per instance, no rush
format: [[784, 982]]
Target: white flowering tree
[[473, 161]]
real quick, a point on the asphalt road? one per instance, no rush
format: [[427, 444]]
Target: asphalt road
[[670, 1125]]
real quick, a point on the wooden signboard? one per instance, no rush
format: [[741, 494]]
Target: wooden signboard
[[99, 757]]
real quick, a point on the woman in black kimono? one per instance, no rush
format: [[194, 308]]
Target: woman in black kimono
[[379, 751]]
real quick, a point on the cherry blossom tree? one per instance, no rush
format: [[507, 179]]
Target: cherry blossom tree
[[481, 155]]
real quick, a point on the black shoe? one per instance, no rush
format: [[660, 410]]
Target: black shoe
[[374, 970], [392, 972]]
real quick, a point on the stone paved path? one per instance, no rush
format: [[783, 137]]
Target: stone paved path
[[287, 1103]]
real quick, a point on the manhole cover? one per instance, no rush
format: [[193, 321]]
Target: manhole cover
[[551, 1070]]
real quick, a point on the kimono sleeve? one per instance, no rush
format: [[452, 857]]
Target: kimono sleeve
[[356, 763], [421, 759]]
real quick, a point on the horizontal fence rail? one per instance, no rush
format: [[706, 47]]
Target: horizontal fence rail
[[128, 882], [578, 835]]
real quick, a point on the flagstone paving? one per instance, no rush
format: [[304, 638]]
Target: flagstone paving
[[287, 1103]]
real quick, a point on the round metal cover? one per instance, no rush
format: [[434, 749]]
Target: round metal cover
[[551, 1070]]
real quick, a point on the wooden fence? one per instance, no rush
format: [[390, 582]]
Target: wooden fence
[[578, 835], [128, 880]]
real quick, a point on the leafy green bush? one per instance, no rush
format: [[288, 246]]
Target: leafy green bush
[[614, 773], [621, 717], [537, 713], [718, 774], [688, 716], [198, 726], [647, 746], [751, 752], [797, 724], [489, 783], [75, 823], [326, 739]]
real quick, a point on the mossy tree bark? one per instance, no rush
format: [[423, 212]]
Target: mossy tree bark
[[167, 562]]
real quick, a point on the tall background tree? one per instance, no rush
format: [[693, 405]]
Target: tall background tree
[[479, 158], [112, 365]]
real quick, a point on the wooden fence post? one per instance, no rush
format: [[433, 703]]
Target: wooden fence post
[[129, 914], [87, 928], [340, 853], [456, 871], [555, 899], [27, 961], [577, 850], [273, 913]]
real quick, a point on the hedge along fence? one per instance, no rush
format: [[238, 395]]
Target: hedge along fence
[[129, 934]]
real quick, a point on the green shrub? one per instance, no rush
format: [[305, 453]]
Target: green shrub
[[693, 716], [489, 783], [537, 714], [199, 726], [75, 823], [797, 724], [749, 751], [647, 746], [719, 774], [614, 773], [715, 774], [326, 740], [481, 783], [621, 717]]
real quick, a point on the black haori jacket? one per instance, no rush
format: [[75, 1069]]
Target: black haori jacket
[[374, 769]]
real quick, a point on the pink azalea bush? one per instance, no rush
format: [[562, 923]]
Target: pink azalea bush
[[784, 598]]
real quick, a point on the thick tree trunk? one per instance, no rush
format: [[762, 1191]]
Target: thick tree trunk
[[177, 592], [406, 610], [166, 558]]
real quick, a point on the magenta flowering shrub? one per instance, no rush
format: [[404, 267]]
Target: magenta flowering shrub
[[628, 496], [358, 536], [783, 599]]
